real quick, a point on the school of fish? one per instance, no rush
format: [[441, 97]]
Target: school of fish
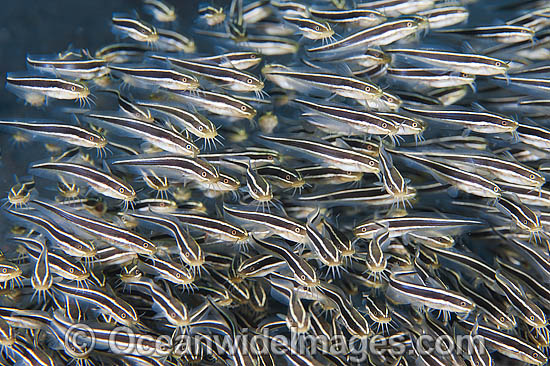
[[347, 172]]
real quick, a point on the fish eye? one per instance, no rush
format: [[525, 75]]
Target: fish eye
[[123, 316], [187, 254], [409, 24], [535, 355], [297, 229], [252, 56], [91, 138], [243, 108], [532, 317], [504, 123], [270, 157], [255, 190], [121, 190], [502, 319], [79, 246], [173, 315], [200, 128], [184, 79], [203, 174], [317, 28], [178, 275], [233, 232], [384, 125], [303, 277], [498, 63], [249, 81], [367, 88], [525, 222], [4, 270], [188, 147], [414, 124], [371, 163], [145, 245], [463, 303], [495, 189], [287, 177], [532, 176], [364, 229], [71, 270], [73, 88], [226, 180]]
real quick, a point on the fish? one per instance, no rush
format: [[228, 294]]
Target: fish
[[468, 182], [218, 103], [120, 53], [445, 16], [400, 225], [189, 251], [310, 28], [342, 85], [101, 182], [402, 290], [170, 41], [482, 122], [78, 68], [121, 238], [117, 308], [503, 34], [136, 29], [302, 271], [212, 15], [181, 168], [285, 227], [166, 139], [153, 78], [380, 35], [35, 89], [59, 237], [57, 264], [467, 63], [330, 155], [340, 118], [236, 60], [228, 78], [20, 193]]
